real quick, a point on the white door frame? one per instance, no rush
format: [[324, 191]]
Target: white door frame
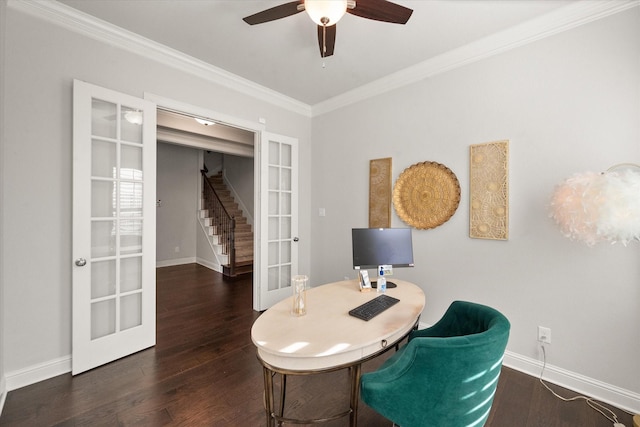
[[255, 127]]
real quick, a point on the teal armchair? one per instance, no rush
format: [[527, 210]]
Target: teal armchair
[[446, 375]]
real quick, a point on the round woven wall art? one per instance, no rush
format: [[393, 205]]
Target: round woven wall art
[[426, 195]]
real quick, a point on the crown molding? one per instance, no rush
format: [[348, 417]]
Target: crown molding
[[97, 29], [560, 20], [563, 19]]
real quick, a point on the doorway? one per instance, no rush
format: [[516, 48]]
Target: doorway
[[195, 156], [275, 163], [186, 231]]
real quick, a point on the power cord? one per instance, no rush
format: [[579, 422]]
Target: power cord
[[606, 412]]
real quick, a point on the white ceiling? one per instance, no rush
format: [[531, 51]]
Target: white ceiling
[[283, 55]]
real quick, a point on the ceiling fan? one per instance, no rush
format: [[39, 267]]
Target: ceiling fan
[[326, 13]]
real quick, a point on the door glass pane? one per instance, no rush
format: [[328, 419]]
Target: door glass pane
[[274, 229], [103, 239], [285, 179], [274, 278], [131, 199], [131, 162], [103, 118], [103, 278], [286, 228], [285, 158], [274, 178], [286, 252], [285, 272], [130, 274], [130, 236], [103, 159], [274, 153], [286, 203], [274, 253], [103, 199], [103, 318], [273, 203], [130, 311], [131, 124]]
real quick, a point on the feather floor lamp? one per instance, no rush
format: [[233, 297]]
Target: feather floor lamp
[[592, 208]]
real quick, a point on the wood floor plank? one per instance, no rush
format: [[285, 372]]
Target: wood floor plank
[[203, 371]]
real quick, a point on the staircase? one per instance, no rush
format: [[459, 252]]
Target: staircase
[[233, 245]]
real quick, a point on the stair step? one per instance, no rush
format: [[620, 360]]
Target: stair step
[[244, 250], [239, 270]]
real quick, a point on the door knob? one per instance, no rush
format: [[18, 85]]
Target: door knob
[[295, 239], [81, 262]]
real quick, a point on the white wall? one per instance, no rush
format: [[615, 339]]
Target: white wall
[[178, 174], [42, 59], [568, 103], [214, 162], [3, 9], [238, 172]]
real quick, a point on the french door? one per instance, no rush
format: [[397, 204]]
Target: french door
[[277, 259], [114, 179]]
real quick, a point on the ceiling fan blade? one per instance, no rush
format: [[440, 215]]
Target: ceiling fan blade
[[381, 10], [326, 40], [277, 12]]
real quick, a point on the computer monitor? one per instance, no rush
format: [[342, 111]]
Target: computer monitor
[[373, 247]]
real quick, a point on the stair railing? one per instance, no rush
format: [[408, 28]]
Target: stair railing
[[225, 223]]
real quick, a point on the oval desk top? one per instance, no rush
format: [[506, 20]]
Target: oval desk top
[[327, 336]]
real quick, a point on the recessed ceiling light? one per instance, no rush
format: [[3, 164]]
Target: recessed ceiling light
[[204, 122]]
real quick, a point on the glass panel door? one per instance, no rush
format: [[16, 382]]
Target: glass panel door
[[114, 226], [279, 252]]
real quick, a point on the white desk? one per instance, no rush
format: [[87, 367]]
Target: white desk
[[327, 338]]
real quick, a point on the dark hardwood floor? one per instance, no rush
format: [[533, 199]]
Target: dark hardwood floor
[[203, 372]]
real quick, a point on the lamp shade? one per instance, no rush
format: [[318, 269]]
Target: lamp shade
[[575, 206], [593, 207], [325, 12]]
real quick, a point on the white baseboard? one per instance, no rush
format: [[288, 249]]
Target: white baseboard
[[616, 396], [36, 373], [177, 261], [195, 260], [210, 265], [607, 393]]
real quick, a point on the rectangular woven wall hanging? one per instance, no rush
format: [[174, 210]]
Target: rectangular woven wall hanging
[[489, 190], [380, 193]]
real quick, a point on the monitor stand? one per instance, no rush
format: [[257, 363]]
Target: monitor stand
[[390, 285]]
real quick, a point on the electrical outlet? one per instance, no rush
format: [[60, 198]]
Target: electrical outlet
[[544, 334]]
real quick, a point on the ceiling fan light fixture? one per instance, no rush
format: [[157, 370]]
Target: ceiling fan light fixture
[[325, 12]]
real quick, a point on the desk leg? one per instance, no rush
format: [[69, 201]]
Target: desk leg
[[283, 391], [355, 394], [268, 396]]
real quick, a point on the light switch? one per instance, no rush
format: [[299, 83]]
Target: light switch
[[322, 212]]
